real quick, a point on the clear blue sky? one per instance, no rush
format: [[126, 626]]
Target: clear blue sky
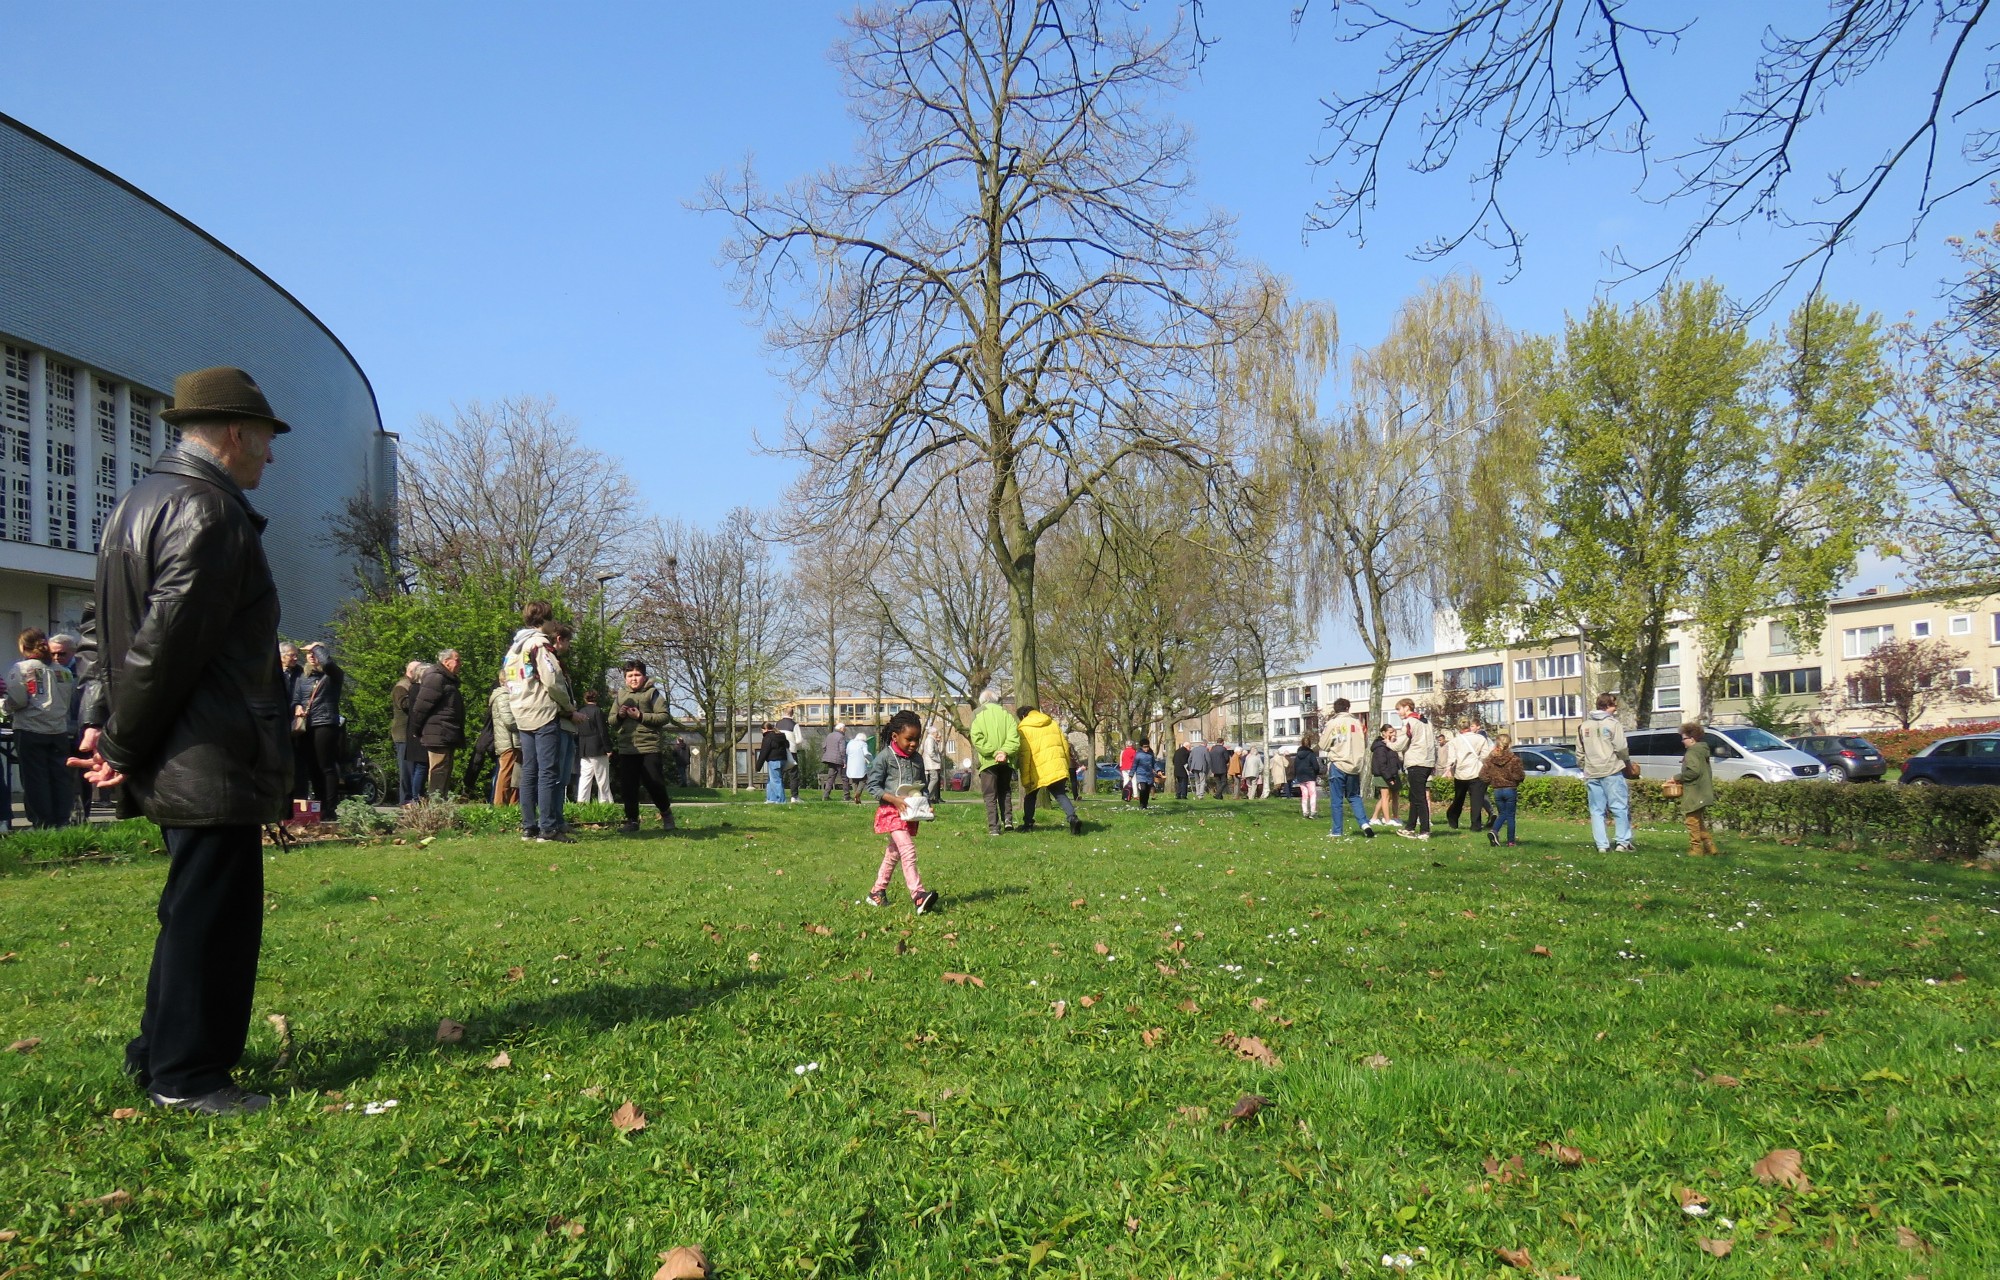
[[489, 198]]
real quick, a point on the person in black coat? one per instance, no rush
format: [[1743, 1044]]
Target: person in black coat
[[1181, 771], [190, 723], [437, 720], [319, 704]]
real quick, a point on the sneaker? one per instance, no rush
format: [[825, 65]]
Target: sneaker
[[558, 837], [527, 837], [629, 828], [1368, 833], [926, 902], [1406, 833], [1513, 844], [1493, 839], [1076, 826], [1423, 835], [878, 898], [667, 821], [229, 1100], [1624, 846]]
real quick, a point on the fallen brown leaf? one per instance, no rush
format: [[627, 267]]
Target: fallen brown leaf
[[1077, 903], [499, 1061], [1721, 1081], [1165, 968], [1188, 1006], [1514, 1257], [28, 1045], [1513, 1169], [1131, 1226], [1280, 1020], [1249, 1048], [1784, 1167], [1714, 1248], [962, 978], [1539, 950], [1193, 1115], [1910, 1240], [594, 1091], [1259, 1003], [10, 957], [685, 1263], [628, 1119], [1561, 1154], [9, 1235], [125, 1113], [516, 973], [1435, 973], [819, 930], [1088, 1001], [1100, 948], [1469, 915], [754, 959], [561, 1226], [450, 1032], [1246, 1106], [1059, 1008], [1152, 1036], [921, 1117], [1688, 1196], [115, 1200], [1855, 980], [858, 975], [1376, 1062]]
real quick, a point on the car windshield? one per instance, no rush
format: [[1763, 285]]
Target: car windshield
[[1755, 739], [1563, 756], [1857, 744]]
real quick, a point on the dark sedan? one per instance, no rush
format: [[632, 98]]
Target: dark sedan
[[1847, 759], [1971, 761]]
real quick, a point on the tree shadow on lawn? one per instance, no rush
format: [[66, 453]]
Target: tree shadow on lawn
[[984, 895], [335, 1064]]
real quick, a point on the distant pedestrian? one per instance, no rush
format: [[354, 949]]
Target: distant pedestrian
[[795, 740], [1277, 772], [1044, 764], [1181, 756], [1234, 771], [1386, 763], [1256, 786], [1198, 768], [996, 740], [39, 693], [934, 761], [683, 761], [437, 723], [538, 689], [1502, 772], [1601, 745], [1145, 772], [1125, 758], [323, 684], [293, 666], [1467, 753], [1306, 767], [593, 753], [506, 742], [833, 763], [400, 693], [895, 777], [1417, 744], [858, 760], [637, 714], [1697, 779], [1346, 749], [772, 752]]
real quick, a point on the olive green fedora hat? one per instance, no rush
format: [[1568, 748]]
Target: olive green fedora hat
[[221, 392]]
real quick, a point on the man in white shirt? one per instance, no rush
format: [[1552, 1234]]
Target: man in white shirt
[[857, 767], [1416, 742], [1467, 753]]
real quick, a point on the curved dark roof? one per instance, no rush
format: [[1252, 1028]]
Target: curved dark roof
[[102, 172]]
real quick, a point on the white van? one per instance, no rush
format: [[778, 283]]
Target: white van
[[1740, 751]]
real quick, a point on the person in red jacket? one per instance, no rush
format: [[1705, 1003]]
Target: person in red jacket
[[1125, 759]]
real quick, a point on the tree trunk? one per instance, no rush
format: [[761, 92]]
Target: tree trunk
[[1021, 630]]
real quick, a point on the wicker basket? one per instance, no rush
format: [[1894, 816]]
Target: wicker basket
[[1671, 788]]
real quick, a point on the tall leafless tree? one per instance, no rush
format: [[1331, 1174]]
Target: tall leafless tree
[[507, 491], [1007, 285]]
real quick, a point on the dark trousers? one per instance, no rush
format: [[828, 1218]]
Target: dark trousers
[[1461, 790], [636, 772], [323, 741], [996, 787], [1145, 790], [832, 776], [301, 765], [542, 780], [1057, 791], [204, 962], [1180, 783], [48, 791], [1418, 781]]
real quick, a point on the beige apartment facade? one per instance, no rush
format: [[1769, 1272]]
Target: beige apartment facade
[[1539, 691]]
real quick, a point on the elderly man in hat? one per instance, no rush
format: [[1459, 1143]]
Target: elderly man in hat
[[190, 723]]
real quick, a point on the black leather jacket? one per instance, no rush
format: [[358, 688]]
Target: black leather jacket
[[195, 701]]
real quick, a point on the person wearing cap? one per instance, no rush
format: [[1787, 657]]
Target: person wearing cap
[[188, 634]]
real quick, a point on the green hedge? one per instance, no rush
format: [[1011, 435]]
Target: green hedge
[[1937, 822]]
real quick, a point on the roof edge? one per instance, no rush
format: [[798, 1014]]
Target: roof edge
[[68, 153]]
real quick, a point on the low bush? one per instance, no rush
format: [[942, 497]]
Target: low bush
[[1898, 745], [358, 819], [430, 816]]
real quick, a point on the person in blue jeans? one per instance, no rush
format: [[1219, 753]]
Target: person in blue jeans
[[1502, 772], [1346, 743], [539, 693], [772, 753], [1600, 741]]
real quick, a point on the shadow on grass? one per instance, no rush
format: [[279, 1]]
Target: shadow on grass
[[336, 1064], [986, 895]]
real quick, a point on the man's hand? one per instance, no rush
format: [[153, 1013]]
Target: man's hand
[[999, 757], [96, 770]]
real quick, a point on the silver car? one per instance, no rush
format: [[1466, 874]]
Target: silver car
[[1549, 762], [1737, 752]]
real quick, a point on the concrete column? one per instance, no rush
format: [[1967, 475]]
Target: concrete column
[[38, 447], [86, 458], [123, 449]]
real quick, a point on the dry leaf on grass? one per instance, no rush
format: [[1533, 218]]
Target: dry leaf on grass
[[450, 1032], [1715, 1248], [1100, 948], [1469, 915], [1152, 1036], [628, 1119], [1088, 1001], [1689, 1197], [1721, 1081], [819, 930], [561, 1226], [1059, 1008], [1188, 1006], [1376, 1062], [28, 1045], [1246, 1106], [921, 1117], [1513, 1169], [754, 959], [858, 975], [1259, 1003], [9, 1235], [1280, 1020], [685, 1263], [1785, 1168], [125, 1113], [516, 973], [1514, 1257], [1193, 1115], [1539, 950], [118, 1199], [1131, 1226], [962, 978], [1561, 1154], [1165, 968], [1910, 1240], [1435, 973], [594, 1091], [1248, 1048], [499, 1061], [1077, 903]]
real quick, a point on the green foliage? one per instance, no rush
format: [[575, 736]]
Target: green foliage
[[1898, 745], [1773, 712], [948, 1126], [376, 637], [358, 819], [110, 841]]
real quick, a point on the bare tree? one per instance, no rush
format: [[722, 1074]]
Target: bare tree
[[828, 585], [712, 606], [1903, 681], [1431, 438], [1468, 86], [506, 490], [1004, 287]]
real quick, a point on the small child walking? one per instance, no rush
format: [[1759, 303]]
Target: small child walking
[[1697, 779], [1305, 775], [899, 764]]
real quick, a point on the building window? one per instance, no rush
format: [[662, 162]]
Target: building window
[[1424, 681], [1960, 625], [1782, 640], [1996, 628], [106, 416], [1736, 650], [1524, 669], [1801, 680], [1865, 692], [1562, 706], [1920, 630], [1393, 685], [1485, 676], [1859, 642], [1524, 709], [60, 495], [1963, 678], [1738, 686]]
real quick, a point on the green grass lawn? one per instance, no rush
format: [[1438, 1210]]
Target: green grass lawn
[[1431, 1066]]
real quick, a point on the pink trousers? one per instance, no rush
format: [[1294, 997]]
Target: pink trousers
[[902, 849], [1309, 799]]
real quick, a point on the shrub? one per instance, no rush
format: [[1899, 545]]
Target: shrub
[[1898, 745], [84, 842], [359, 819], [430, 816]]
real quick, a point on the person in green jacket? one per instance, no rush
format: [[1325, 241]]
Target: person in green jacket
[[1697, 781], [996, 741], [637, 713]]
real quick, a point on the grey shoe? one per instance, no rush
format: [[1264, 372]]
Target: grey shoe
[[557, 837], [229, 1100]]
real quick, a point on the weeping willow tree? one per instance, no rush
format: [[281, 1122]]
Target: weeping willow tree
[[1392, 481]]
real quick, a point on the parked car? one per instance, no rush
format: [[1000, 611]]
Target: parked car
[[1846, 758], [1738, 752], [1107, 771], [1550, 762], [1970, 761], [958, 780]]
